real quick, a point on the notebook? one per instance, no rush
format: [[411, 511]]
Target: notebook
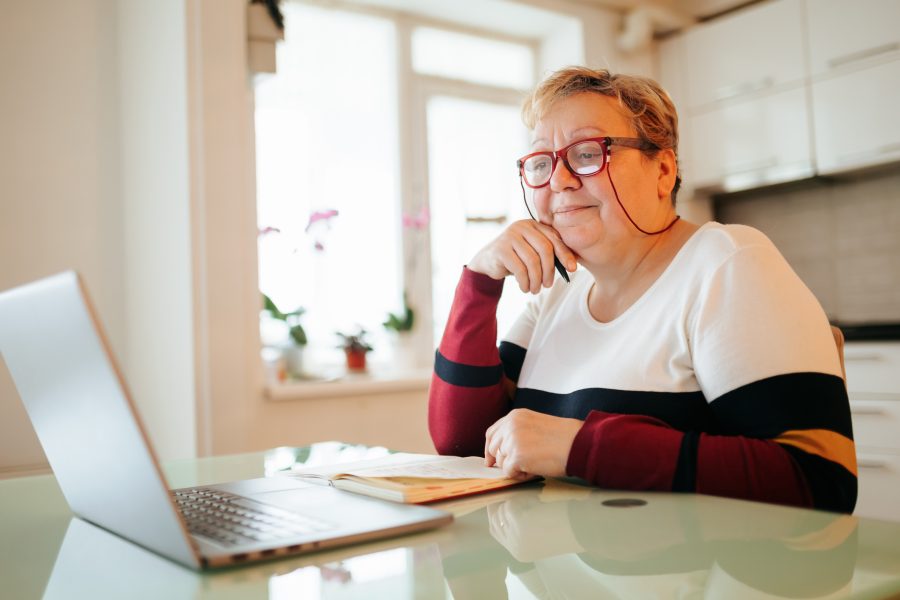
[[86, 421], [411, 478]]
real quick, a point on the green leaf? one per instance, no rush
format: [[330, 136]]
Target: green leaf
[[298, 335], [273, 310]]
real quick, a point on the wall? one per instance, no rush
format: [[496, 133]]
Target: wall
[[155, 200], [93, 176], [840, 236], [59, 165]]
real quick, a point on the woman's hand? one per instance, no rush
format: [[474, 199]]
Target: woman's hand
[[525, 442], [524, 250]]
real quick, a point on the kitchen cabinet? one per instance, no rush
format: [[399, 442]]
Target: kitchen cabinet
[[748, 118], [846, 35], [750, 51], [855, 118], [879, 486], [873, 383], [754, 142]]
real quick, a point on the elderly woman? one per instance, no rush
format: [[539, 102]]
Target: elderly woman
[[679, 357]]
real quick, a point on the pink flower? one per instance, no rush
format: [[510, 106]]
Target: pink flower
[[418, 220], [268, 230], [320, 215]]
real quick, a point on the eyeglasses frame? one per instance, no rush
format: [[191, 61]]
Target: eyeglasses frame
[[560, 155]]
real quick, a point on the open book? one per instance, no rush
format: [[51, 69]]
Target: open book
[[410, 478]]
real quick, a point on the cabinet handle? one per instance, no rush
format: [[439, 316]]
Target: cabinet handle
[[866, 410], [871, 463], [862, 54], [746, 87], [863, 357]]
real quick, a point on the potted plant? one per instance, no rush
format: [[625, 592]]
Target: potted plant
[[293, 352], [400, 325], [401, 322], [355, 348]]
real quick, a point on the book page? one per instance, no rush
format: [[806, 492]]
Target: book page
[[443, 467], [426, 466]]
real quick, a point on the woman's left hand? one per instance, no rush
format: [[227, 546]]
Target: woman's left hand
[[525, 442]]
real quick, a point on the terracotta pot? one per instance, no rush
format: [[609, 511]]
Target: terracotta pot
[[356, 361]]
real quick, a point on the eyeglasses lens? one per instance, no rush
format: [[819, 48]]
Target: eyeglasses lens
[[537, 169], [586, 158]]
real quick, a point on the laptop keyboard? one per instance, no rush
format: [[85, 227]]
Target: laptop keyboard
[[230, 520]]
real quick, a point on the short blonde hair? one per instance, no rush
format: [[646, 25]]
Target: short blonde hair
[[645, 103]]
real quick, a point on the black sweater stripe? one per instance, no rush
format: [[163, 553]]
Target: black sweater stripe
[[512, 356], [766, 408], [466, 375], [685, 411], [833, 487], [685, 479]]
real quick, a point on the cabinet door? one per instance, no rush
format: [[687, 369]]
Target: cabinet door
[[848, 34], [751, 50], [879, 486], [752, 143], [876, 421], [874, 367], [856, 120]]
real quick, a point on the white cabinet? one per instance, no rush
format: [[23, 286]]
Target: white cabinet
[[879, 486], [873, 382], [747, 119], [855, 117], [754, 142], [873, 367], [851, 34], [756, 49]]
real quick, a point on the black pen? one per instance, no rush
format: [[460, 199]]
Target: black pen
[[560, 268]]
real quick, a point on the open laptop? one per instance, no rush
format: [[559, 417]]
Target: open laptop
[[78, 402]]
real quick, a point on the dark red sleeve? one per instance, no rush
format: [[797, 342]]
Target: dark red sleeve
[[634, 452], [467, 394]]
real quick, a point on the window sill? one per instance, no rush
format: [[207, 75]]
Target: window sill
[[364, 384]]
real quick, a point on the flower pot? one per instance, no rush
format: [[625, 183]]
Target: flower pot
[[356, 360], [293, 358], [405, 357]]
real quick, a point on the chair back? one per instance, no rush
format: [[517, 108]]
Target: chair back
[[839, 343]]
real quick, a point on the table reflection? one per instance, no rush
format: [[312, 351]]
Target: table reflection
[[541, 540], [563, 541]]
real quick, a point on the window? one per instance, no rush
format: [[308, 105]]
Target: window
[[473, 190], [472, 58], [329, 130], [327, 174]]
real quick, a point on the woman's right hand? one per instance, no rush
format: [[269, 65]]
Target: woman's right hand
[[524, 250]]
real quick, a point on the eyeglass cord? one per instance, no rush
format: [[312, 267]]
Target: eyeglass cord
[[636, 226]]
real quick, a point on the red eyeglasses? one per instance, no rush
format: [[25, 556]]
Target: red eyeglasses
[[582, 158]]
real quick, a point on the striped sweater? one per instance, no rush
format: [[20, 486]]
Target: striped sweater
[[722, 378]]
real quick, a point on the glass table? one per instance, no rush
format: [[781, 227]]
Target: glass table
[[550, 539]]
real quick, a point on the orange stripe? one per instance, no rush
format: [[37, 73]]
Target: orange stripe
[[822, 442]]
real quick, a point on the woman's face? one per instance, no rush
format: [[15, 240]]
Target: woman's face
[[584, 210]]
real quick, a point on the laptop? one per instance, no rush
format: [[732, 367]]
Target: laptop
[[87, 423]]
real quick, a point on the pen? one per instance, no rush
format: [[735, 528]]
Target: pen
[[560, 268]]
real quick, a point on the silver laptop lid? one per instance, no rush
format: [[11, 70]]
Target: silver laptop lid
[[77, 400]]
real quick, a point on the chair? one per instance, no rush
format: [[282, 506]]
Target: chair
[[839, 343]]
